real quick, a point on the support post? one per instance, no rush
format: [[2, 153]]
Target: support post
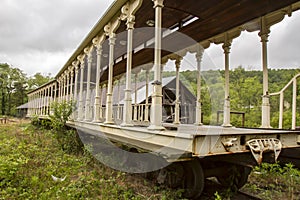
[[80, 109], [147, 95], [88, 87], [109, 106], [127, 112], [67, 85], [177, 102], [156, 107], [294, 104], [264, 34], [97, 109], [135, 118], [198, 121], [226, 116]]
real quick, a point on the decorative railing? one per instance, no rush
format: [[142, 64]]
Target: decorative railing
[[293, 82]]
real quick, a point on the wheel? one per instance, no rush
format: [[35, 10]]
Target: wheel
[[193, 183], [235, 177]]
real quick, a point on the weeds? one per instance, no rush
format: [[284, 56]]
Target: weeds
[[273, 181], [30, 155]]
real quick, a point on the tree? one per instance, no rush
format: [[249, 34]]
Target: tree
[[38, 80]]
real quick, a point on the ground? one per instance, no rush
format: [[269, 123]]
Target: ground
[[30, 155]]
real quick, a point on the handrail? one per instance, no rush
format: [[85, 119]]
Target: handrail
[[294, 103]]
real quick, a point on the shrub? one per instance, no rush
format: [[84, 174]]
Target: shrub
[[68, 139]]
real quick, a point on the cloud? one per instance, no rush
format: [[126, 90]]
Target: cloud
[[40, 35], [37, 28]]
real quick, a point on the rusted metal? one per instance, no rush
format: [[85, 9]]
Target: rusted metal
[[259, 146]]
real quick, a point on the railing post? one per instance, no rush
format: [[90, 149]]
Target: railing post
[[281, 110], [294, 105]]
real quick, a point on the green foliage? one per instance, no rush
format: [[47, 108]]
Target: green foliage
[[274, 181], [68, 139], [29, 156], [13, 88]]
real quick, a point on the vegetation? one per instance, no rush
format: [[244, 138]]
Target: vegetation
[[30, 155], [13, 88], [273, 181], [245, 94]]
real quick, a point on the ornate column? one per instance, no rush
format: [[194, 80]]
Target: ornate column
[[156, 107], [264, 34], [98, 42], [127, 113], [80, 107], [135, 118], [101, 103], [177, 102], [88, 52], [110, 32], [127, 13], [60, 89], [71, 84], [75, 65], [198, 121], [67, 85], [226, 116], [147, 95], [64, 87]]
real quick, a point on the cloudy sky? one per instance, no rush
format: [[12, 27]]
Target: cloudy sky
[[40, 36]]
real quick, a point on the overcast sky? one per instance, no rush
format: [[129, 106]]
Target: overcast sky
[[40, 36]]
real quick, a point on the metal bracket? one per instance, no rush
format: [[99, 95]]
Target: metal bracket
[[259, 146]]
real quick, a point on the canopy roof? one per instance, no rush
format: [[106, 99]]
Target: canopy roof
[[194, 21]]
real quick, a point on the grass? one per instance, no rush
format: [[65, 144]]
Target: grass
[[29, 156], [273, 181]]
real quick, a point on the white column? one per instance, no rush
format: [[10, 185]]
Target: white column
[[226, 116], [135, 98], [71, 85], [64, 88], [156, 107], [97, 109], [109, 106], [47, 100], [61, 89], [119, 99], [80, 107], [147, 94], [294, 104], [127, 112], [177, 102], [198, 121], [75, 64], [101, 103], [67, 85], [281, 110], [88, 88], [264, 34]]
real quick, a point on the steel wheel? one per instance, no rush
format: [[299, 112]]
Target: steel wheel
[[194, 179], [235, 177]]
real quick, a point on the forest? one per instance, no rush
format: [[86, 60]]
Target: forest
[[14, 85], [245, 92]]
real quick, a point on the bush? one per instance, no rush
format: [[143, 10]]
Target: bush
[[68, 139]]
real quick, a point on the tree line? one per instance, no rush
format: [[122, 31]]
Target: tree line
[[245, 92], [14, 85]]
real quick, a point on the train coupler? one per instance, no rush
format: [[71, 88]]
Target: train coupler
[[259, 146]]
